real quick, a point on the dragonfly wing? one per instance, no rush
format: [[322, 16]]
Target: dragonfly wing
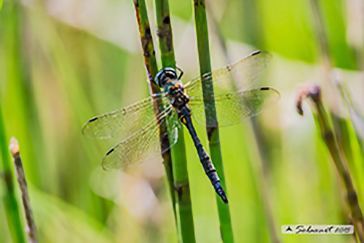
[[144, 144], [235, 76], [123, 122], [232, 108]]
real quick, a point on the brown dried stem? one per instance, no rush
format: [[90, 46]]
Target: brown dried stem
[[31, 230]]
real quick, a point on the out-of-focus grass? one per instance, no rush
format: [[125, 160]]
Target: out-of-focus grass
[[63, 64], [10, 198]]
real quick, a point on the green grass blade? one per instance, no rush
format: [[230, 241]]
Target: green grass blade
[[213, 133], [180, 174]]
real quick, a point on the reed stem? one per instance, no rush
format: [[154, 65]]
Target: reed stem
[[175, 159], [261, 165], [178, 151], [212, 133], [152, 69]]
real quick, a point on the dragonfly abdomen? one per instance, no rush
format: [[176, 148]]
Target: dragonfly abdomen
[[205, 160], [210, 171]]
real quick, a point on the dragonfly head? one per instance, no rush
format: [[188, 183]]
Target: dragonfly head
[[164, 75]]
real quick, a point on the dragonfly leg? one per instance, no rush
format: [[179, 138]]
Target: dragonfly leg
[[181, 72], [149, 75]]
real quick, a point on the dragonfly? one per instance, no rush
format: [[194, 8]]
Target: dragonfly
[[138, 127]]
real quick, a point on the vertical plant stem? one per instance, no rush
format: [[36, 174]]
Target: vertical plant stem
[[327, 134], [261, 165], [152, 69], [180, 175], [212, 133], [32, 232], [10, 200], [164, 32]]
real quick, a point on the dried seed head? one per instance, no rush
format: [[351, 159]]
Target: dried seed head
[[307, 90], [14, 146]]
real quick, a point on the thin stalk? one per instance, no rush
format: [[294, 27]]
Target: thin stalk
[[152, 69], [180, 174], [327, 134], [31, 229], [10, 199], [212, 133], [261, 165], [340, 125]]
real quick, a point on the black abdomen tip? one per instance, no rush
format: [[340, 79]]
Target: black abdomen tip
[[222, 194], [224, 198], [265, 88]]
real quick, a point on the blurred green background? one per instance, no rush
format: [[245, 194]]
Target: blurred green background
[[63, 62]]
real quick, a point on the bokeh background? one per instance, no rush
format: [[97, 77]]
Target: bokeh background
[[63, 62]]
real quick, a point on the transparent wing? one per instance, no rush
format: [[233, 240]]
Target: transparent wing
[[235, 76], [144, 144], [123, 122], [232, 108]]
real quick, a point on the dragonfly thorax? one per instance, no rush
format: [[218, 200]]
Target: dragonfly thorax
[[177, 96], [168, 80]]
